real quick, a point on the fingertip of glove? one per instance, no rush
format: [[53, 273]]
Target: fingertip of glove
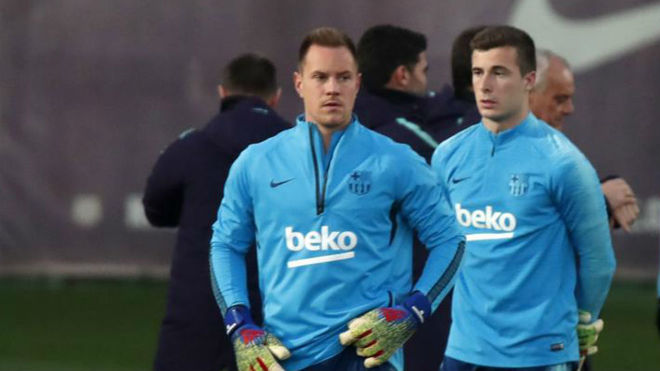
[[599, 325], [280, 351], [584, 316], [346, 338], [372, 362]]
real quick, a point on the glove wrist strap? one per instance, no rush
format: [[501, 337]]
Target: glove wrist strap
[[237, 316], [419, 305]]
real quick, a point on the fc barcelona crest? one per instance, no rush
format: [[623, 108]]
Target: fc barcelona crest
[[359, 182], [518, 184]]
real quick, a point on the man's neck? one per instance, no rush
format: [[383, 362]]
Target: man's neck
[[326, 133], [499, 126]]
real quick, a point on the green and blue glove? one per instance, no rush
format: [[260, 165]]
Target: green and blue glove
[[382, 331], [255, 348], [588, 332]]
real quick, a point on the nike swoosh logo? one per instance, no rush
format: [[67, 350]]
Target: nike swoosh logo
[[601, 39], [274, 184], [230, 328], [458, 180]]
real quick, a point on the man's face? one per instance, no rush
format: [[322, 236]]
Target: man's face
[[418, 79], [500, 90], [328, 83], [554, 102]]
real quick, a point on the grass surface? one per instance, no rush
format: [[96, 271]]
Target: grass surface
[[113, 325], [79, 325], [630, 340]]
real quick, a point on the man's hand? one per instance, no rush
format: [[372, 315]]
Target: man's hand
[[618, 192], [622, 201], [626, 215], [588, 333], [380, 332], [254, 347]]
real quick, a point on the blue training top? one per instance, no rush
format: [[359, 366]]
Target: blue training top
[[538, 244], [333, 233]]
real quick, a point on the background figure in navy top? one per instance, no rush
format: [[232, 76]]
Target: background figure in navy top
[[184, 190], [394, 101]]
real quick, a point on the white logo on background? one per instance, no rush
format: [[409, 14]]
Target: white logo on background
[[587, 43]]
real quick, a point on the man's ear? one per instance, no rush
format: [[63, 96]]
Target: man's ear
[[530, 80], [222, 92], [275, 98], [297, 82], [399, 79]]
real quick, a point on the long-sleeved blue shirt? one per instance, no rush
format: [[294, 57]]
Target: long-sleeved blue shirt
[[333, 232], [538, 244]]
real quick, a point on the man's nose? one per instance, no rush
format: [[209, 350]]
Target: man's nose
[[568, 107], [332, 86]]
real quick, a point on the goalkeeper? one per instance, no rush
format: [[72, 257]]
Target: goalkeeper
[[332, 207], [530, 205]]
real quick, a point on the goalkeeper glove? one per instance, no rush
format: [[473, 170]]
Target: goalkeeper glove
[[254, 347], [380, 332], [588, 333]]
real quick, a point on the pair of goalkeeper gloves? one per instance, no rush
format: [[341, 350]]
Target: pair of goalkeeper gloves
[[376, 334]]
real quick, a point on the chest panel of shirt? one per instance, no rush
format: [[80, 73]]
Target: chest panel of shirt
[[489, 182], [358, 192]]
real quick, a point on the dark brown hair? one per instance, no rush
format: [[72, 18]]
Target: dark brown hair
[[325, 36], [499, 36]]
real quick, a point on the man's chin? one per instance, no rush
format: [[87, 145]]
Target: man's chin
[[334, 122]]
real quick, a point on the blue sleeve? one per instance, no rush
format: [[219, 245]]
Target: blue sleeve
[[579, 199], [427, 209], [233, 234]]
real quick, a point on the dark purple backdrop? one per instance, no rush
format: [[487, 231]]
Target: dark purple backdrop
[[90, 92]]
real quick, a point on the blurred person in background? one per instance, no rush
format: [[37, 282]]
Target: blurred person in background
[[331, 205], [184, 190], [551, 100], [394, 101]]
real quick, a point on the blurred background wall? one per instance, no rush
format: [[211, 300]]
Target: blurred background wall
[[91, 92]]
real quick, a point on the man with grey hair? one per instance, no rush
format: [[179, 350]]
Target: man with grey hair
[[552, 97], [551, 100]]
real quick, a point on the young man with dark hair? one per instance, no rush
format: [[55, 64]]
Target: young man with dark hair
[[324, 203], [539, 258], [182, 191], [395, 101], [395, 58]]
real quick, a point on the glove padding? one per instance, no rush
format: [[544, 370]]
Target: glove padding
[[254, 347], [380, 332], [588, 333]]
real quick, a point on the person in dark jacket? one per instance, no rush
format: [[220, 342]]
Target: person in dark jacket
[[394, 101], [184, 190]]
